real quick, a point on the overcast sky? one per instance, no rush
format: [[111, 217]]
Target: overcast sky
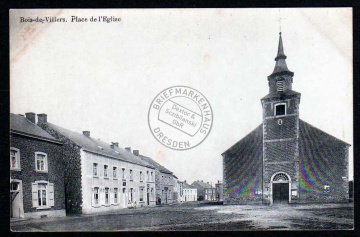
[[102, 77]]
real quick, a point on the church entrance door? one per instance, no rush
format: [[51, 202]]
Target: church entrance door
[[280, 193], [280, 184]]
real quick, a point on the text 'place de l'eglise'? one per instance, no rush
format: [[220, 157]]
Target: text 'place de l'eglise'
[[55, 171]]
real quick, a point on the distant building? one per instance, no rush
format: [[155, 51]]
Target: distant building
[[285, 159], [205, 191], [36, 170], [164, 181], [190, 192], [101, 177]]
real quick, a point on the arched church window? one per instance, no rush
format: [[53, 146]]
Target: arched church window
[[280, 177]]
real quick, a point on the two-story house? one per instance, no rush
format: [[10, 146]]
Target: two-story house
[[36, 170], [99, 176]]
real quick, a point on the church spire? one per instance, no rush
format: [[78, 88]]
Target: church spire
[[280, 66]]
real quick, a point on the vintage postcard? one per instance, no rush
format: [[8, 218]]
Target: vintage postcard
[[181, 119]]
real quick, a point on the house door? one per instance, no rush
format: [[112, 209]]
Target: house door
[[16, 202], [148, 197], [280, 193], [124, 198]]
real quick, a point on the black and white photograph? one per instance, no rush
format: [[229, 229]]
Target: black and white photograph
[[188, 119]]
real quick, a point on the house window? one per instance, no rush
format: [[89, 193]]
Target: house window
[[106, 195], [114, 172], [147, 175], [115, 195], [131, 175], [41, 161], [105, 171], [14, 159], [141, 176], [123, 173], [96, 196], [42, 194], [280, 109], [141, 199], [95, 169], [152, 176]]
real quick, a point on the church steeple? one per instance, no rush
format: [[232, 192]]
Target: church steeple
[[281, 78], [280, 66]]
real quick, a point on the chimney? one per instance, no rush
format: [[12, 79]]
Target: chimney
[[30, 116], [112, 146], [128, 148], [136, 152], [42, 118], [86, 133], [116, 144]]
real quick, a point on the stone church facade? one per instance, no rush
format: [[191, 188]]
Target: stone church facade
[[285, 160]]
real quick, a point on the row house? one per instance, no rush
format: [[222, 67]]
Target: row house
[[99, 176], [205, 191], [189, 192], [36, 185], [165, 181]]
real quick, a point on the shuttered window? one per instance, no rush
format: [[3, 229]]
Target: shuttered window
[[42, 194], [280, 85]]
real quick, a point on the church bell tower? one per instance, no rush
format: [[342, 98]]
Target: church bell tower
[[280, 135]]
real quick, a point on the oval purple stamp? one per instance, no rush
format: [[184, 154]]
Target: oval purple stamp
[[180, 117]]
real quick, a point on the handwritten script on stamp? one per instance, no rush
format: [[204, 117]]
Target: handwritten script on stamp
[[180, 117]]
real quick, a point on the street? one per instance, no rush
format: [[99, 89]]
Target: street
[[202, 216]]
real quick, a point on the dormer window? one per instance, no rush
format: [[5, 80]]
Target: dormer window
[[280, 110], [280, 85]]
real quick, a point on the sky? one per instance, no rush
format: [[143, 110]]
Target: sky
[[102, 77]]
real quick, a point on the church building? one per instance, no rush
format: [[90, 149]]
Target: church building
[[285, 159]]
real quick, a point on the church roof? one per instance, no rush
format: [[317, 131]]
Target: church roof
[[99, 147], [279, 94], [280, 66], [247, 143], [307, 132], [21, 125]]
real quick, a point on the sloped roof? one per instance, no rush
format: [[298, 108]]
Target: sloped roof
[[247, 142], [278, 94], [155, 164], [99, 147], [186, 185], [306, 131], [318, 136], [23, 126], [201, 184]]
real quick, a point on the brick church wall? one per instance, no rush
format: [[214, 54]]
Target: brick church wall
[[323, 162], [243, 170]]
